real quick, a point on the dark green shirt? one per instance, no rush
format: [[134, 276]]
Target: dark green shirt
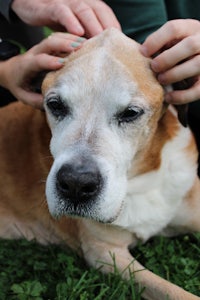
[[140, 18]]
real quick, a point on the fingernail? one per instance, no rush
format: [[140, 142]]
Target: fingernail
[[143, 50], [61, 60], [75, 44], [168, 98], [81, 39], [154, 66], [161, 79]]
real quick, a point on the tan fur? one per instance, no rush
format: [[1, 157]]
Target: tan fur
[[26, 160], [151, 156]]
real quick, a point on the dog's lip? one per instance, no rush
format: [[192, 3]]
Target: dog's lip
[[112, 220], [84, 212]]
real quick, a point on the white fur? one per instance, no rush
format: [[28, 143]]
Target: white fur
[[144, 204], [154, 198], [95, 117]]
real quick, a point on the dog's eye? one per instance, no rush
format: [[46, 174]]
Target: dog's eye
[[57, 107], [130, 114]]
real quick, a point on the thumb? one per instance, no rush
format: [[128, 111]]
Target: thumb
[[33, 99]]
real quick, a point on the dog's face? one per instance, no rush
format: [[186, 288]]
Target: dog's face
[[102, 108]]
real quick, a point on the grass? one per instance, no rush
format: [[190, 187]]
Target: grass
[[31, 271]]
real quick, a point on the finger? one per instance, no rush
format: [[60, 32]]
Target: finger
[[61, 14], [33, 99], [58, 43], [188, 69], [45, 62], [89, 19], [183, 50], [172, 30], [95, 16], [184, 96], [106, 16]]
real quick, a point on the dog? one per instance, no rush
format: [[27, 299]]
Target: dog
[[106, 163]]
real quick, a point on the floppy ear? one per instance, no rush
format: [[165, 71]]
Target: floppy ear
[[182, 114], [182, 109], [36, 82]]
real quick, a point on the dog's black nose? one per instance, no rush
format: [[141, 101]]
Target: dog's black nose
[[79, 182]]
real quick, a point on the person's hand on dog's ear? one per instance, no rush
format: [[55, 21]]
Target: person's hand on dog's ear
[[80, 17], [17, 73], [176, 50]]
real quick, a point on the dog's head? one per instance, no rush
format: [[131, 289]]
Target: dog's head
[[102, 108]]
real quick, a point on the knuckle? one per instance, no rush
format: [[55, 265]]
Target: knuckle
[[174, 26], [81, 8], [194, 22], [193, 43]]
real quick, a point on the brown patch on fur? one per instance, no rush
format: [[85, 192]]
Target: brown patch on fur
[[191, 150], [49, 80], [141, 73], [193, 193], [25, 163], [122, 48], [149, 158]]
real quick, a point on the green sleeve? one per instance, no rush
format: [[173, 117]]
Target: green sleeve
[[183, 9], [139, 18]]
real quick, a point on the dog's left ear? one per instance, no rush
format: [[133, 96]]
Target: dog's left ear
[[182, 109], [182, 114]]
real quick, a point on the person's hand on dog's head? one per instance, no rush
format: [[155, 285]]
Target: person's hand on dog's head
[[83, 18], [178, 45], [20, 70]]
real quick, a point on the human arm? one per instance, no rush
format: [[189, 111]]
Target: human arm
[[86, 17], [17, 73], [177, 44]]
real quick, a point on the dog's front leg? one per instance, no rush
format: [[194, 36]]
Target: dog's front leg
[[107, 247]]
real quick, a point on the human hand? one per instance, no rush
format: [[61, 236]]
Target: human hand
[[177, 48], [80, 17], [19, 71]]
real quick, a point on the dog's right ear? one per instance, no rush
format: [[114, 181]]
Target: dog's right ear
[[36, 82]]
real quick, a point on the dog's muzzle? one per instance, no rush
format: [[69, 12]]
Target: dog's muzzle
[[78, 182]]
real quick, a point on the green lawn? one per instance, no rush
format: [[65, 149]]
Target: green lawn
[[31, 271]]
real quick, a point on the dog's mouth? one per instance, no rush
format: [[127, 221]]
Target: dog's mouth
[[76, 209], [90, 209], [80, 210], [80, 188]]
